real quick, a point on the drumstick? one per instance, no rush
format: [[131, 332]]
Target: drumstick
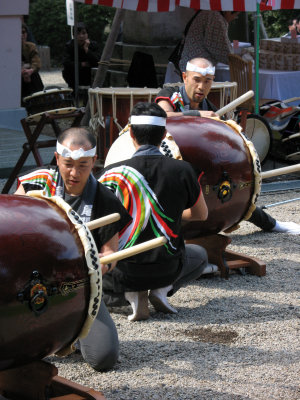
[[232, 105], [139, 248], [280, 171], [108, 219]]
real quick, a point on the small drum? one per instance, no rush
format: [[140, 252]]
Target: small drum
[[46, 100], [260, 134], [50, 279], [231, 180], [34, 118], [110, 111]]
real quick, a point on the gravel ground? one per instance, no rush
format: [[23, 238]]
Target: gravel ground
[[233, 339]]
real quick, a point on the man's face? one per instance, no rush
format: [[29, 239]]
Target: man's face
[[24, 35], [82, 36], [197, 86], [75, 173]]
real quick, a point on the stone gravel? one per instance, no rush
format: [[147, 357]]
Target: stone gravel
[[232, 339]]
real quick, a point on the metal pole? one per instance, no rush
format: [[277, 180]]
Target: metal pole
[[106, 56], [257, 27], [76, 68], [280, 202]]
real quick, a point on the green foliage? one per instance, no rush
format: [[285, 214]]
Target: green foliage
[[48, 22], [277, 22]]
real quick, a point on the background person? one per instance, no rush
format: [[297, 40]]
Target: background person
[[208, 37], [88, 57], [190, 100], [31, 64], [158, 192], [72, 180]]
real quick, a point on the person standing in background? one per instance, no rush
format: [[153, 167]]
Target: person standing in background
[[88, 57], [31, 64], [208, 38]]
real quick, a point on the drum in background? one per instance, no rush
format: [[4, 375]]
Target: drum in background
[[258, 131], [46, 100], [123, 148], [231, 180], [34, 118], [46, 291], [222, 93], [110, 110]]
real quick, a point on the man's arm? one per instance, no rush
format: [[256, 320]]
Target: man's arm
[[198, 212], [20, 190], [165, 105], [108, 248]]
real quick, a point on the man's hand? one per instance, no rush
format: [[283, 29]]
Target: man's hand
[[86, 45], [108, 248], [26, 74], [208, 114]]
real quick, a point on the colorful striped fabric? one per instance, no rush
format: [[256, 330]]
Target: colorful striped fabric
[[45, 178], [218, 5], [140, 201], [177, 98], [169, 5]]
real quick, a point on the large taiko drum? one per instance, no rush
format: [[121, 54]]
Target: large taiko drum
[[231, 180], [50, 279]]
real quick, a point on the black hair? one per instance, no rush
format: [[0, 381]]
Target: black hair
[[24, 26], [148, 134], [80, 27], [80, 134]]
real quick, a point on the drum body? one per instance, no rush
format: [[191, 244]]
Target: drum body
[[110, 111], [47, 100], [229, 183], [231, 179], [44, 280]]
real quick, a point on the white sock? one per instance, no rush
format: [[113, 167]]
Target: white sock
[[210, 269], [287, 227]]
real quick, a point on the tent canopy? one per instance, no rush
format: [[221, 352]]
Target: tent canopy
[[220, 5]]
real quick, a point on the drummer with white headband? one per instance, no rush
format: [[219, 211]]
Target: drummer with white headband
[[73, 181], [191, 98], [158, 192]]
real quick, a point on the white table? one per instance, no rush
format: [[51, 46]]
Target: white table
[[279, 85]]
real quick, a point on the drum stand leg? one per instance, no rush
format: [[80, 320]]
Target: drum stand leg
[[228, 260], [39, 381]]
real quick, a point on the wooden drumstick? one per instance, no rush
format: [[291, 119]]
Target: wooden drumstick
[[280, 171], [139, 248], [108, 219], [232, 105]]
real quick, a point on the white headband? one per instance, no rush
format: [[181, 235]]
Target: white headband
[[147, 120], [202, 71], [75, 154]]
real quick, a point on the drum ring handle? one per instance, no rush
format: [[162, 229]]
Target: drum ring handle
[[36, 306]]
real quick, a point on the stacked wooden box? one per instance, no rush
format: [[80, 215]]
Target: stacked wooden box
[[279, 55]]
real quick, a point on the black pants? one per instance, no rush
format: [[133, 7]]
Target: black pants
[[263, 220], [194, 263]]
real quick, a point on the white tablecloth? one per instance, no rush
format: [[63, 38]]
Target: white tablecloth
[[279, 85]]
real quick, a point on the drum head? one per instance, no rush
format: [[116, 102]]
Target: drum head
[[260, 134], [37, 117], [47, 92]]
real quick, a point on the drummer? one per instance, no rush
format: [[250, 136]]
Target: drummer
[[190, 99], [158, 192], [72, 180]]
